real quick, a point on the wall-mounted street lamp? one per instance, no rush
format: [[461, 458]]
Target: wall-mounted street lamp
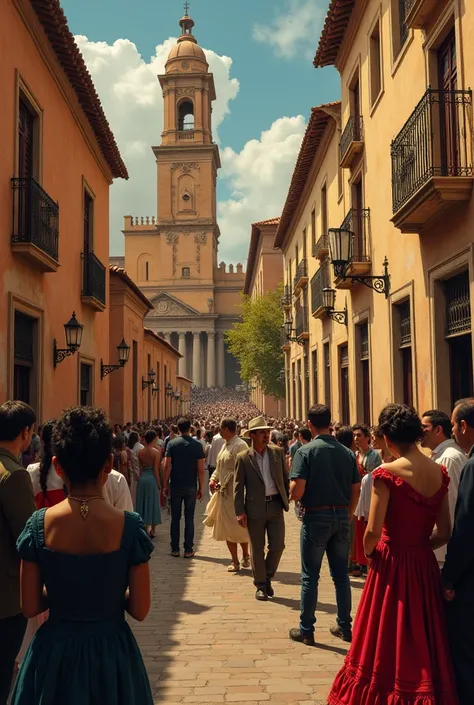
[[73, 330], [169, 389], [123, 355], [151, 378], [341, 249], [290, 331], [329, 301]]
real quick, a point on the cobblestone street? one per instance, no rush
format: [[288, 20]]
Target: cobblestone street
[[207, 640]]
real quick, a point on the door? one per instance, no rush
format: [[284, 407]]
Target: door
[[359, 248], [87, 245], [26, 126], [460, 356], [448, 83], [356, 107]]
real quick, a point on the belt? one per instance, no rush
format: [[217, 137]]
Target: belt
[[271, 497], [326, 506]]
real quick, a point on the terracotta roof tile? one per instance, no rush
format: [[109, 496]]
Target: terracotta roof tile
[[335, 25], [54, 23], [311, 141], [254, 240], [271, 221], [120, 272]]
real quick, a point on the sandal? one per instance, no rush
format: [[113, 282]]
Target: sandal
[[233, 568], [246, 562]]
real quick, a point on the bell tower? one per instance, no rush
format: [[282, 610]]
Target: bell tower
[[187, 161]]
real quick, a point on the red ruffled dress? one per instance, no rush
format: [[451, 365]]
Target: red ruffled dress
[[399, 653]]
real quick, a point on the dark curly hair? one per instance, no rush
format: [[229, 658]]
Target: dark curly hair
[[82, 442], [400, 424], [47, 458]]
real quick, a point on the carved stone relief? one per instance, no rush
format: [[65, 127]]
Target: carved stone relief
[[199, 239], [166, 306], [185, 91], [185, 167]]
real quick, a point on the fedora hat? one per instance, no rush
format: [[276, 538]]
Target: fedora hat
[[258, 424], [244, 433]]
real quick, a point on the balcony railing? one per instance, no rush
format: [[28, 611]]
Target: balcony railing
[[357, 221], [93, 282], [301, 275], [321, 247], [302, 326], [286, 298], [352, 140], [320, 281], [434, 142], [185, 134], [35, 231], [285, 343]]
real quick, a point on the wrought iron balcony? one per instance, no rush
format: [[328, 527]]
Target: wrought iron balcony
[[321, 247], [357, 222], [352, 141], [287, 296], [302, 324], [285, 343], [420, 13], [301, 276], [35, 233], [320, 281], [432, 159], [93, 281]]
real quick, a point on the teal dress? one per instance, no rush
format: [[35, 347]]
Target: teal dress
[[85, 653], [148, 497]]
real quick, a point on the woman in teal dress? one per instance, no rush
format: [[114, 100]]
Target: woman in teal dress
[[88, 563], [148, 490]]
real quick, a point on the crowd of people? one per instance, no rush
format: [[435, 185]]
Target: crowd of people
[[393, 504]]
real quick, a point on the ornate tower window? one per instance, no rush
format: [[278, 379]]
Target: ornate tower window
[[186, 116]]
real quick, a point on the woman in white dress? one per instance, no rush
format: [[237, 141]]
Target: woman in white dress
[[220, 512]]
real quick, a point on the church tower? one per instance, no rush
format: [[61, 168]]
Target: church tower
[[173, 257]]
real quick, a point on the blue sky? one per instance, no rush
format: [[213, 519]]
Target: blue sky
[[271, 45]]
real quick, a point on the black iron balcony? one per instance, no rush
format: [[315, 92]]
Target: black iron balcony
[[286, 298], [321, 247], [93, 281], [320, 281], [432, 159], [352, 141], [35, 233], [302, 324], [301, 275], [285, 343], [357, 223]]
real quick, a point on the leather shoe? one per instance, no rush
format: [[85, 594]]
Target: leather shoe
[[270, 590], [344, 634], [307, 639], [261, 595]]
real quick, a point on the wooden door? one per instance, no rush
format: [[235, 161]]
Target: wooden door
[[358, 222], [26, 125], [447, 82]]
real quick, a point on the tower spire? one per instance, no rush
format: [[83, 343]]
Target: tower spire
[[186, 23], [186, 9]]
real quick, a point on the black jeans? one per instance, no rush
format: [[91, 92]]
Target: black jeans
[[180, 496], [12, 631], [325, 531]]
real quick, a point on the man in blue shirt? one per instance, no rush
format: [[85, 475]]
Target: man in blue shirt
[[325, 479]]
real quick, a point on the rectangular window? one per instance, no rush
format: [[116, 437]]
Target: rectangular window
[[314, 361], [400, 30], [88, 222], [293, 390], [406, 352], [327, 374], [135, 381], [299, 384], [306, 388], [375, 49], [458, 335], [86, 384], [364, 374], [26, 139], [313, 226], [147, 272], [304, 243], [324, 210], [24, 352], [344, 384]]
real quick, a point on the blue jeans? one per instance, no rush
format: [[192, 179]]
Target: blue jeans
[[180, 496], [325, 531]]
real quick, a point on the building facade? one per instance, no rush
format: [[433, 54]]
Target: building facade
[[173, 257], [264, 273], [57, 162], [405, 164]]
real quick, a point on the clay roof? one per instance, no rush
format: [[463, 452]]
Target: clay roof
[[186, 379], [54, 23], [120, 272], [253, 248], [312, 139], [335, 25], [161, 340]]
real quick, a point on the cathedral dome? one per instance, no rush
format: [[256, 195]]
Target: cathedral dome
[[186, 49]]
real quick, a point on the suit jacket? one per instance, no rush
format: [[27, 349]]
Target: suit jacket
[[17, 504], [458, 569], [249, 487]]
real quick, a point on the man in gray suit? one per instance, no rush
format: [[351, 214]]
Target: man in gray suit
[[260, 496]]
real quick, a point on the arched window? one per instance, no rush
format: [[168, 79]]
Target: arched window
[[186, 116]]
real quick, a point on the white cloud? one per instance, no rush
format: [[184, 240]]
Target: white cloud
[[130, 93], [293, 31], [258, 177]]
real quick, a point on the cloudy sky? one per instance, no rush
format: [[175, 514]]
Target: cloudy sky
[[260, 52]]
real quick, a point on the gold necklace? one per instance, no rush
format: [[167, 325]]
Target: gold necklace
[[84, 508]]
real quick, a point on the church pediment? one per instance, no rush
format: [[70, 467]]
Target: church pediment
[[167, 305]]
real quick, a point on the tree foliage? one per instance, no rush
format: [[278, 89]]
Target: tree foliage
[[255, 341]]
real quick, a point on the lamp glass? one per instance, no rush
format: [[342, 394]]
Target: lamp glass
[[329, 298], [123, 352], [73, 330], [169, 386], [340, 246], [152, 375]]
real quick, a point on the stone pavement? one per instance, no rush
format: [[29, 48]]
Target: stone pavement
[[207, 640]]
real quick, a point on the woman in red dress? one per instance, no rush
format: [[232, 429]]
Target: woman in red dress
[[399, 653]]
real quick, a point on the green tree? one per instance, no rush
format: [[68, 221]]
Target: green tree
[[255, 341]]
